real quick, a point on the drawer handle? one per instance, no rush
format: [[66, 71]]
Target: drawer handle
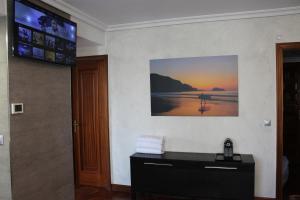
[[159, 164], [215, 167]]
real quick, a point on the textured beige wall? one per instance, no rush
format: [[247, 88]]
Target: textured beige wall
[[253, 40], [5, 184], [41, 138]]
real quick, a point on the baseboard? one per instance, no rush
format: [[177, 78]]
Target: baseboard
[[120, 188], [127, 189]]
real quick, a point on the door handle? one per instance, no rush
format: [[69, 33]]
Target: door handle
[[75, 125], [159, 164], [217, 167]]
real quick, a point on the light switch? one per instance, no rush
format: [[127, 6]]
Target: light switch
[[17, 108], [267, 122], [1, 140]]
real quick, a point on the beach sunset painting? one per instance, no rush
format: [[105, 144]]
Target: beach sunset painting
[[197, 86]]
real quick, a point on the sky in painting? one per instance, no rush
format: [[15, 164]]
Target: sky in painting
[[200, 72]]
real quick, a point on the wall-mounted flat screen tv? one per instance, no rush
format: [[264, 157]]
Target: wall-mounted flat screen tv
[[42, 35]]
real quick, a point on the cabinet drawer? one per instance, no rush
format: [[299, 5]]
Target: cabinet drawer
[[224, 183], [157, 177]]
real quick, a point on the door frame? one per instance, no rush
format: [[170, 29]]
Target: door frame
[[280, 47], [89, 58]]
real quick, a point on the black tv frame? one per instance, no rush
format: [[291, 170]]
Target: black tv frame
[[15, 36]]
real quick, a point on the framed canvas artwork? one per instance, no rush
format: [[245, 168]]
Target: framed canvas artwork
[[197, 86]]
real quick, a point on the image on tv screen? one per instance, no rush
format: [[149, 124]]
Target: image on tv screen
[[59, 44], [50, 56], [70, 46], [70, 59], [24, 50], [44, 22], [38, 38], [38, 53], [59, 58], [50, 42], [24, 34]]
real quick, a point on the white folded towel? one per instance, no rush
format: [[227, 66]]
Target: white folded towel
[[150, 151], [150, 144], [144, 144], [151, 139]]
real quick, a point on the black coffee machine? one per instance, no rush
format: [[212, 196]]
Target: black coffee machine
[[228, 149]]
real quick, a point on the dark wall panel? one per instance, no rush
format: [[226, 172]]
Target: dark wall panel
[[41, 138]]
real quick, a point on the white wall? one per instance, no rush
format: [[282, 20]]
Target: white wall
[[90, 51], [5, 181], [253, 40], [89, 32], [2, 7]]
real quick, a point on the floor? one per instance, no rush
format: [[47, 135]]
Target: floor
[[91, 193]]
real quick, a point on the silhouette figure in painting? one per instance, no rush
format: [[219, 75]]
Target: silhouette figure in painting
[[203, 98]]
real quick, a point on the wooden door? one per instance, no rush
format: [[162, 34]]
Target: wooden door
[[90, 122], [280, 48]]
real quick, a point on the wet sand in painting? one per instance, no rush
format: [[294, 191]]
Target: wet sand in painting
[[188, 104]]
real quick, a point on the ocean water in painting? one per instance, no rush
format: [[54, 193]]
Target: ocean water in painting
[[221, 103], [202, 86]]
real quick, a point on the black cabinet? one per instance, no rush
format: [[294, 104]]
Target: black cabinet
[[192, 175]]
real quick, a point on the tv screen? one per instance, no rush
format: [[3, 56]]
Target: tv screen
[[42, 35]]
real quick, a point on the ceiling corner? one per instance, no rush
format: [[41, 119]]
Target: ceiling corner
[[207, 18]]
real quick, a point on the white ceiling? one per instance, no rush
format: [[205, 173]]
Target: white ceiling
[[112, 12]]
